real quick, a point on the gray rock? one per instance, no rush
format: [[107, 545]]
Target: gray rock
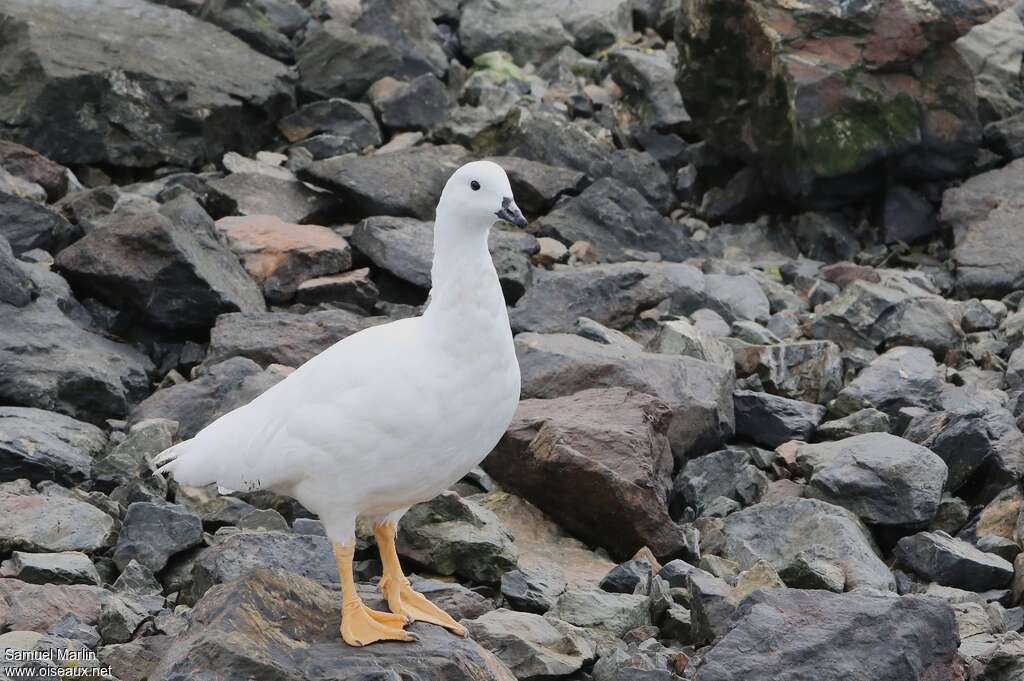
[[532, 589], [27, 225], [736, 298], [613, 613], [647, 660], [640, 171], [237, 556], [30, 521], [924, 322], [531, 646], [967, 439], [246, 193], [625, 577], [131, 460], [252, 22], [151, 534], [281, 337], [780, 530], [712, 603], [419, 104], [119, 619], [983, 212], [611, 295], [648, 77], [335, 60], [40, 445], [811, 371], [16, 288], [993, 51], [938, 557], [699, 393], [884, 479], [770, 420], [355, 287], [169, 269], [73, 628], [1006, 137], [907, 216], [225, 95], [352, 120], [273, 615], [780, 632], [455, 536], [533, 32], [620, 223], [902, 377], [69, 567], [537, 186], [727, 473], [867, 420], [219, 389]]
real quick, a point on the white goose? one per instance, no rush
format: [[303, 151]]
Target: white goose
[[387, 417]]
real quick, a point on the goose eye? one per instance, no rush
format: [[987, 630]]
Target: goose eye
[[474, 185]]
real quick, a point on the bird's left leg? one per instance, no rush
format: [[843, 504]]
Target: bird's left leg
[[396, 588]]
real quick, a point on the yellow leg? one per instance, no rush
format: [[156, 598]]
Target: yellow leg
[[361, 626], [399, 593]]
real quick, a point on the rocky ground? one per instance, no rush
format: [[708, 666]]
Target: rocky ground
[[768, 313]]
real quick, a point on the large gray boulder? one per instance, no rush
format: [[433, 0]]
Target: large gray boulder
[[699, 393], [884, 479], [152, 533], [41, 445], [796, 634], [984, 212], [902, 377], [169, 269], [620, 223], [160, 86], [272, 625], [938, 557], [51, 522], [779, 531], [611, 295]]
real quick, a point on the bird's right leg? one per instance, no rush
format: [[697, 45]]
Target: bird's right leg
[[361, 626]]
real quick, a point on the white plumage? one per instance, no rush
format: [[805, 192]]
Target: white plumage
[[394, 414]]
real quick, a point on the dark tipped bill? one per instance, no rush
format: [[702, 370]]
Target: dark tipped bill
[[510, 212]]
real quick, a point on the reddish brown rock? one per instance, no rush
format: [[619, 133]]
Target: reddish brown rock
[[599, 463], [32, 166], [280, 256], [37, 607]]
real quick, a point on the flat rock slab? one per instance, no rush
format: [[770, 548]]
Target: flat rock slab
[[795, 634], [42, 445], [37, 607], [173, 89], [31, 521], [277, 626], [938, 557]]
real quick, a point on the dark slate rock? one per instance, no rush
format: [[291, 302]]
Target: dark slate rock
[[884, 479], [770, 420], [402, 183], [902, 377], [625, 577], [641, 172], [620, 223], [187, 91], [712, 603], [152, 533], [867, 420], [238, 555], [41, 445], [725, 473], [779, 531], [648, 77], [907, 216], [984, 212], [780, 633], [26, 225], [938, 557], [611, 295], [353, 120], [282, 337], [69, 567], [699, 393], [261, 194], [253, 23], [216, 391], [272, 615], [16, 287], [419, 104], [169, 269], [101, 379], [532, 588], [537, 186]]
